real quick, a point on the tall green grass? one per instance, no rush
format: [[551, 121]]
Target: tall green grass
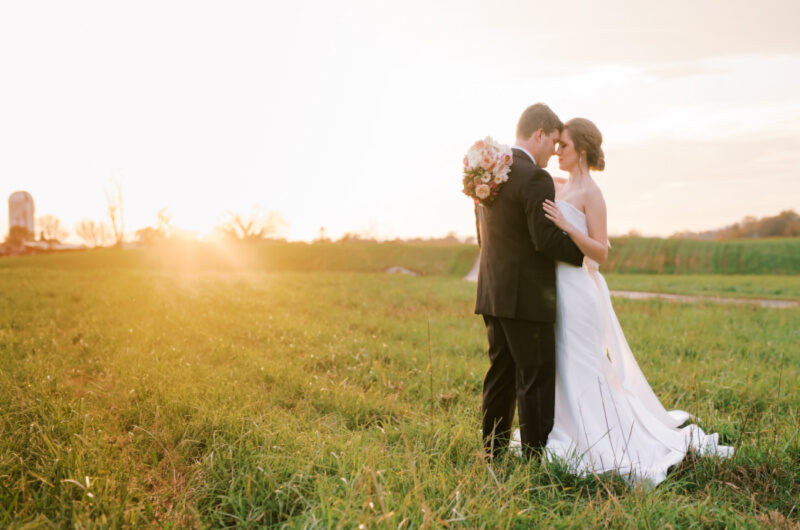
[[680, 256], [134, 397]]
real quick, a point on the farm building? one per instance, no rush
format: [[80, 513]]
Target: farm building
[[21, 210]]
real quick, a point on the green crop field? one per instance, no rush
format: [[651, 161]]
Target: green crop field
[[682, 256], [142, 389]]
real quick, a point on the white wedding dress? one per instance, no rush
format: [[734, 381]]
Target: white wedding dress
[[607, 419]]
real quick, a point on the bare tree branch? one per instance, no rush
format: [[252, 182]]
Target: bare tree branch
[[94, 233], [257, 224], [51, 229], [115, 212]]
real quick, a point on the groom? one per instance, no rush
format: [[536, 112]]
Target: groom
[[517, 289]]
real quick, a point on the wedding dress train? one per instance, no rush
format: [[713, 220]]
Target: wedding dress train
[[607, 417]]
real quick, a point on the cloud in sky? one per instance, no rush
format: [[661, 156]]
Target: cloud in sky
[[351, 113]]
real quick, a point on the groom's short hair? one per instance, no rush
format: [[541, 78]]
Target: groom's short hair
[[535, 117]]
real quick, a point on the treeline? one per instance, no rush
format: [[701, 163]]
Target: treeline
[[451, 238], [785, 224]]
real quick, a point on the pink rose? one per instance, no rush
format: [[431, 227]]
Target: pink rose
[[482, 191], [487, 163], [506, 159]]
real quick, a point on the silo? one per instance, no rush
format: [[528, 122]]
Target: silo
[[20, 210]]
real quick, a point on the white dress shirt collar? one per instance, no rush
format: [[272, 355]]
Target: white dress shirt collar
[[526, 152]]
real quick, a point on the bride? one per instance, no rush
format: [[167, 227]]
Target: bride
[[607, 418]]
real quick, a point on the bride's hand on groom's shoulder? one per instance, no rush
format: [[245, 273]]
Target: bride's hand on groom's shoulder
[[552, 212]]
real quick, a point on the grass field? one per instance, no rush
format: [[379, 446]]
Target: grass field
[[132, 394]]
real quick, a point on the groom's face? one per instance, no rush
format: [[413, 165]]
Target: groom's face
[[547, 148]]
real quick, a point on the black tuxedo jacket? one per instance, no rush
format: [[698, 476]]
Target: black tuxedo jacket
[[519, 246]]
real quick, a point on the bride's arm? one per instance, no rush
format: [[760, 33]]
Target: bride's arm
[[595, 245]]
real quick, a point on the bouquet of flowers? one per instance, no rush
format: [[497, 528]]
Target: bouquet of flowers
[[486, 167]]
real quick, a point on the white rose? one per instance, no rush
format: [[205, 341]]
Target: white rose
[[499, 179], [474, 157], [482, 191], [486, 177]]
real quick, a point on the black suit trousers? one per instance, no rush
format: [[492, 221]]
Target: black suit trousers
[[522, 372]]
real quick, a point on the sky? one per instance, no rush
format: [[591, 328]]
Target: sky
[[355, 115]]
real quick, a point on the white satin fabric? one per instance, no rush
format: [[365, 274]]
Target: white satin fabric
[[607, 418]]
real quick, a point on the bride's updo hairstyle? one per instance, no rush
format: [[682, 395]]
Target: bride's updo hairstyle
[[587, 138]]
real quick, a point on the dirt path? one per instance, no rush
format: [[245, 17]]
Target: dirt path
[[639, 295]]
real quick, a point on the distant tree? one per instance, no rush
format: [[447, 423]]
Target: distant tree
[[748, 228], [51, 228], [322, 237], [255, 225], [17, 235], [164, 222], [115, 212], [163, 230], [785, 224], [789, 224], [350, 236], [367, 233], [451, 237], [149, 236], [94, 233]]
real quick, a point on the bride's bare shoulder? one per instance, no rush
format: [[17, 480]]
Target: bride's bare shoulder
[[593, 195]]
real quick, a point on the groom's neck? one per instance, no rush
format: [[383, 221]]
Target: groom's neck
[[526, 148]]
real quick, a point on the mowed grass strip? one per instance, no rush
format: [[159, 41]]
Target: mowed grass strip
[[130, 397], [718, 285]]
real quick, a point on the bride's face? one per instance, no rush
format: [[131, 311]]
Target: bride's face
[[567, 157]]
